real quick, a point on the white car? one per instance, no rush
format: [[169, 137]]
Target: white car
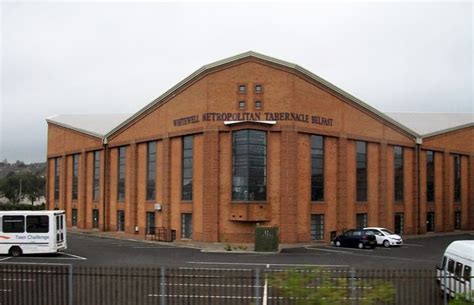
[[386, 237]]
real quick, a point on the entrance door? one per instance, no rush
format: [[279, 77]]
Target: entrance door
[[150, 223], [398, 223], [457, 220], [430, 221], [95, 219]]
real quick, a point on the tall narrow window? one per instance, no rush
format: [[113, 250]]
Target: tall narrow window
[[151, 171], [317, 168], [187, 166], [96, 173], [317, 226], [430, 185], [121, 173], [249, 165], [398, 173], [457, 178], [57, 169], [361, 179], [75, 173], [361, 220]]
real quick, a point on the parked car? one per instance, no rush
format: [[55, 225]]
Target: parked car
[[385, 237], [454, 276], [356, 238]]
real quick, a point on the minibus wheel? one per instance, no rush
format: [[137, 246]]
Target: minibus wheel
[[15, 251]]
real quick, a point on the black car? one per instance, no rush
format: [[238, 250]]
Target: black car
[[356, 238]]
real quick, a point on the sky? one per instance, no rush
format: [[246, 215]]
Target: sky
[[116, 57]]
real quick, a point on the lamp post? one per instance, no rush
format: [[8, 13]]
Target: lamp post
[[19, 198]]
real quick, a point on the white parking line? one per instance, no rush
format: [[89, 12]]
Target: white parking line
[[327, 250], [5, 258], [353, 249], [264, 264], [155, 247], [75, 256], [18, 280], [413, 245], [197, 296]]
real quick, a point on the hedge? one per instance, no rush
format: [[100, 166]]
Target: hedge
[[12, 206]]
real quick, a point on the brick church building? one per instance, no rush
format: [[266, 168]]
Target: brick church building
[[253, 140]]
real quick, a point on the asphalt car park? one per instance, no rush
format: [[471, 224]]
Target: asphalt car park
[[86, 249]]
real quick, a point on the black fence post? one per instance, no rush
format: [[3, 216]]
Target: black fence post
[[162, 285], [70, 286], [256, 286]]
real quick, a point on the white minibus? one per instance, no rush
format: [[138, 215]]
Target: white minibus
[[32, 232], [455, 277]]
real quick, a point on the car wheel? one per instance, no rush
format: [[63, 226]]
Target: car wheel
[[337, 243], [361, 246], [386, 243], [15, 251]]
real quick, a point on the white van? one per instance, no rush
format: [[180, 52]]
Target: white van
[[31, 232], [455, 275]]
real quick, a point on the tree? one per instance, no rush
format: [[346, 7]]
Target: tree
[[33, 186], [10, 187], [17, 186]]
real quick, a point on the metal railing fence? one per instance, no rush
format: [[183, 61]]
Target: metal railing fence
[[33, 284]]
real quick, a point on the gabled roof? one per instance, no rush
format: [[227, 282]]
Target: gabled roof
[[266, 58], [431, 124], [96, 125]]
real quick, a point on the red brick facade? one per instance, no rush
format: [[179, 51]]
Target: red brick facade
[[215, 216]]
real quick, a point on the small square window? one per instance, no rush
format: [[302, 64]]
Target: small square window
[[242, 89], [258, 105], [241, 104], [258, 88]]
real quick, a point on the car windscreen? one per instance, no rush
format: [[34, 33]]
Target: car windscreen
[[387, 231]]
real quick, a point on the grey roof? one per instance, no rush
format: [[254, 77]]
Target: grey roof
[[97, 125], [268, 59], [430, 124]]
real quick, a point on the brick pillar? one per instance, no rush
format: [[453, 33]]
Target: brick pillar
[[288, 185], [382, 193], [341, 182], [131, 209], [105, 189], [442, 222], [166, 186], [63, 183], [82, 197], [470, 191], [210, 192], [47, 191]]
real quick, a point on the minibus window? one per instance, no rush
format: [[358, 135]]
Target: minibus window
[[57, 222], [444, 263], [458, 271], [451, 266], [13, 224], [467, 273], [37, 224]]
